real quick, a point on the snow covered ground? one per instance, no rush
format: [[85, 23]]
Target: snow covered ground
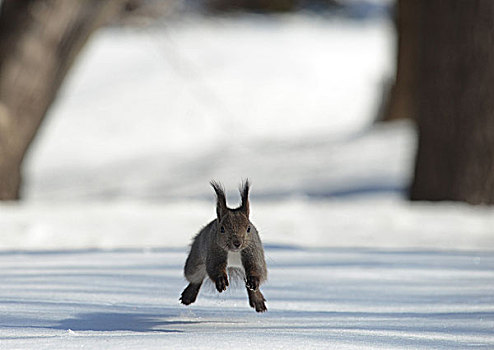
[[117, 184], [317, 299]]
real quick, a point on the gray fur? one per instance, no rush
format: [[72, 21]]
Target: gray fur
[[208, 254]]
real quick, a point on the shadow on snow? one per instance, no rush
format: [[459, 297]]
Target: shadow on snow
[[120, 321]]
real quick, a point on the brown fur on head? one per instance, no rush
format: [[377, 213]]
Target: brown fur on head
[[233, 225]]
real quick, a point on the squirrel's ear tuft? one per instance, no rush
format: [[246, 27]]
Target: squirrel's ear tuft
[[220, 199], [244, 194]]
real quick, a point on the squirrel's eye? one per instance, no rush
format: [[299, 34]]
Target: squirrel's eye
[[222, 229], [248, 229]]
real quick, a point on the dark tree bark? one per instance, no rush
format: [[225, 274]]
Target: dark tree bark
[[401, 102], [39, 40], [455, 81]]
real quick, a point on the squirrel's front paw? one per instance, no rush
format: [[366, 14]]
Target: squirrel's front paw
[[221, 283], [252, 282]]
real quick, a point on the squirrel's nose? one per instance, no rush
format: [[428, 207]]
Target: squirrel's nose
[[236, 243]]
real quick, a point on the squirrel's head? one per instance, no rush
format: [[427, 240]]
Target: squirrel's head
[[233, 225]]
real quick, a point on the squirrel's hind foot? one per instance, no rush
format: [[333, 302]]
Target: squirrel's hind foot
[[189, 294]]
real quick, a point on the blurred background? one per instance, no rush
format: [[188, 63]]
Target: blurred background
[[360, 123]]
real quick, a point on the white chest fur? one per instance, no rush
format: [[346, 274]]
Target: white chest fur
[[234, 260]]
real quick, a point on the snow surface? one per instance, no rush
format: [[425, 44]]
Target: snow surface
[[317, 299], [117, 184]]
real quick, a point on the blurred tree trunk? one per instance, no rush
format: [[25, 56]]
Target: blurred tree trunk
[[455, 80], [39, 40], [401, 102]]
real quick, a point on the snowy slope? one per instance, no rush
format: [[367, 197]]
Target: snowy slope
[[330, 298], [286, 101], [384, 222]]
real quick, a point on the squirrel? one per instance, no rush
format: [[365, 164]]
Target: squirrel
[[229, 241]]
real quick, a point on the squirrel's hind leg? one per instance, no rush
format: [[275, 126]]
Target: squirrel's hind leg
[[195, 275], [189, 294]]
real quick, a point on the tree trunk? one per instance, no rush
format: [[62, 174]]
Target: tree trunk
[[455, 158], [39, 40], [401, 102]]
